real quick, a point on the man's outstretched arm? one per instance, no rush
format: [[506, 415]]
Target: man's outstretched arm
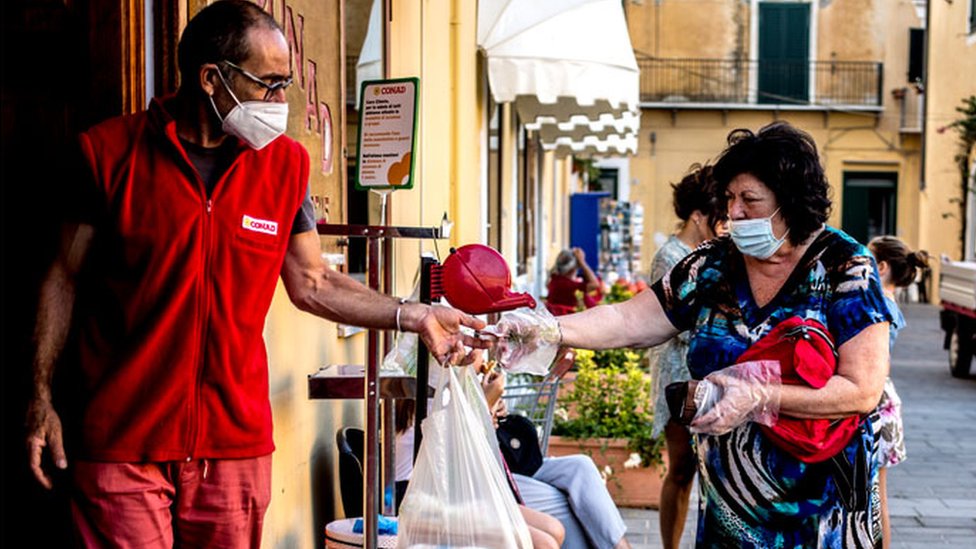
[[315, 288]]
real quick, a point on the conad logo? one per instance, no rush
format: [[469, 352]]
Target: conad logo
[[383, 90], [259, 225]]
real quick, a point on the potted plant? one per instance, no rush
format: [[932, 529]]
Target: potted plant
[[608, 415]]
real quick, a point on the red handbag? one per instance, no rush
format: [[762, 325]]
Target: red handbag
[[807, 356]]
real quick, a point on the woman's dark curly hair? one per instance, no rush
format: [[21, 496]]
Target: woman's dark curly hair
[[785, 159], [696, 191]]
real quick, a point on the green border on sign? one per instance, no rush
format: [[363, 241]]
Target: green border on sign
[[413, 137]]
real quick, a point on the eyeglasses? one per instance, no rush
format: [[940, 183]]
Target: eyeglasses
[[269, 89]]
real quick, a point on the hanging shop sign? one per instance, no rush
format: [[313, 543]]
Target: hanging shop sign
[[387, 132]]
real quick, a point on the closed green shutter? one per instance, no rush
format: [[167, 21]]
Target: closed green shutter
[[784, 45], [916, 54]]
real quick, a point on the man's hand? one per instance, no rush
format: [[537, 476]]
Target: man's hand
[[440, 329], [44, 430]]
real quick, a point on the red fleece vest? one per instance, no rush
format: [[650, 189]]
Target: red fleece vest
[[177, 287]]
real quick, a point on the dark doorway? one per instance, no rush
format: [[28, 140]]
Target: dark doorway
[[869, 204], [606, 182]]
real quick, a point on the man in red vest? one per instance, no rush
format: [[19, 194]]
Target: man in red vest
[[185, 216]]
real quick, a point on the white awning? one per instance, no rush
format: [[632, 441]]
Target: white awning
[[569, 67], [369, 66], [591, 145]]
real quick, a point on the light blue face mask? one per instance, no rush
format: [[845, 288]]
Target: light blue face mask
[[754, 237]]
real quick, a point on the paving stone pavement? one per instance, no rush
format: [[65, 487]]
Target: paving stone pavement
[[932, 495]]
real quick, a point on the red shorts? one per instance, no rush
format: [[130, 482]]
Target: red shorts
[[201, 503]]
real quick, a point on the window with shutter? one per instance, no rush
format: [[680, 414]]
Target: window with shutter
[[972, 16], [784, 52], [916, 54]]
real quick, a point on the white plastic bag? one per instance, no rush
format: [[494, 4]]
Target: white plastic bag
[[458, 494], [402, 358]]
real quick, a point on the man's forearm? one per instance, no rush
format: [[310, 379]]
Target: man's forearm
[[340, 298], [56, 304], [51, 330]]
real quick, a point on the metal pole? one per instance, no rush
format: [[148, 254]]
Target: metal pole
[[388, 407], [388, 479], [371, 414], [423, 359]]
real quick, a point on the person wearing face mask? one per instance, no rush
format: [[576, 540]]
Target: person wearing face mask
[[780, 263], [184, 218], [700, 218]]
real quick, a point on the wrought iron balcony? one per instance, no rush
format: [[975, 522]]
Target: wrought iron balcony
[[802, 84]]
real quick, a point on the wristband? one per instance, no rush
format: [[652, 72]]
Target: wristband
[[399, 308]]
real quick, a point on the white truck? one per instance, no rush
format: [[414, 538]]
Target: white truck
[[957, 290]]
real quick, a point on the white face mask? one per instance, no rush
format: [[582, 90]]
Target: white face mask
[[754, 237], [256, 123]]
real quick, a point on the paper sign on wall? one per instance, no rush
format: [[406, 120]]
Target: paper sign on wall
[[387, 127]]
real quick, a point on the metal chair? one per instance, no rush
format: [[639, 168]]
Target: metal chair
[[349, 443], [537, 400]]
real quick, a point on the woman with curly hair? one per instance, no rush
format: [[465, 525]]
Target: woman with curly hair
[[780, 264]]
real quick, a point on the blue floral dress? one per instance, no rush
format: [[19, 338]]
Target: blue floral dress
[[753, 493], [668, 361]]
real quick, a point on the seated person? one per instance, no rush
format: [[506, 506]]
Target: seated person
[[563, 283], [571, 489]]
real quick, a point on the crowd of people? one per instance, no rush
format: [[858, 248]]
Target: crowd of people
[[169, 428]]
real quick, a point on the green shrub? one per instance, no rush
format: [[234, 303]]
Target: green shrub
[[612, 400]]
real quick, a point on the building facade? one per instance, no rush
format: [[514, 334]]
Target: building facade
[[858, 76]]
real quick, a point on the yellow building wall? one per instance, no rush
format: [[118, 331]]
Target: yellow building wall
[[712, 29], [846, 142], [559, 183], [437, 44], [952, 55], [845, 30]]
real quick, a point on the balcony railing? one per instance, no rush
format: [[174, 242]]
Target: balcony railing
[[780, 83]]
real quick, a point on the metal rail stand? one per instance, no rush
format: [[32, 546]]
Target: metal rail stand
[[423, 358], [376, 235]]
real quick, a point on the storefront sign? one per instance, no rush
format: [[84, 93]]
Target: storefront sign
[[386, 134]]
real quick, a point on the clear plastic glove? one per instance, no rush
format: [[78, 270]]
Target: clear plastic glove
[[528, 340], [725, 399]]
